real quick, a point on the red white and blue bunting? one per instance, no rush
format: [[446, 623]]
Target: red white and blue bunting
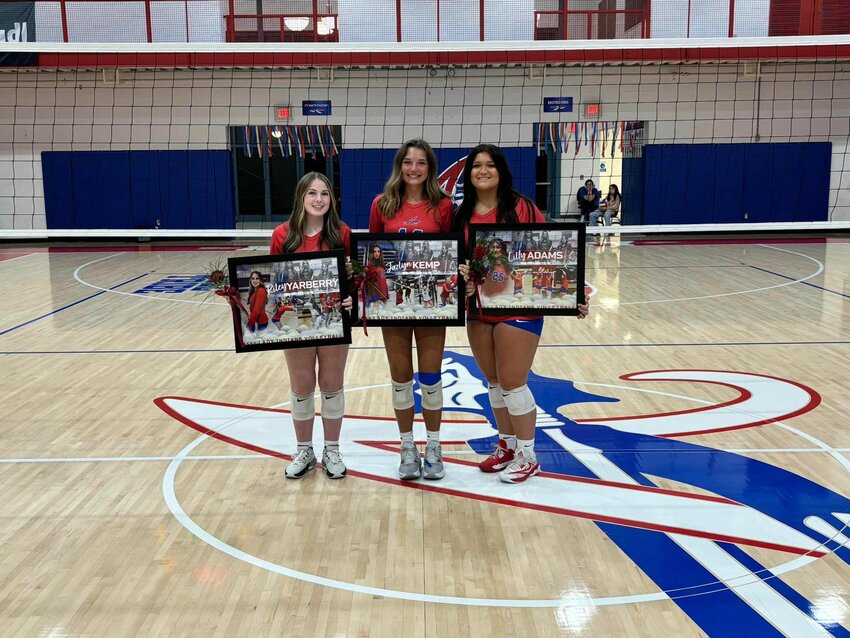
[[289, 141], [588, 137]]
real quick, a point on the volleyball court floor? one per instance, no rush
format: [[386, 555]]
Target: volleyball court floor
[[693, 433]]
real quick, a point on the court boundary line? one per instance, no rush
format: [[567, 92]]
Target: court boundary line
[[454, 347], [254, 457], [70, 305]]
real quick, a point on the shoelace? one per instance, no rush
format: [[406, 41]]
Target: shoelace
[[301, 457], [333, 457], [501, 452], [520, 462], [409, 455], [433, 453]]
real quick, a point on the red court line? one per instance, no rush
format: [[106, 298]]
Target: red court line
[[138, 249], [129, 248], [7, 256]]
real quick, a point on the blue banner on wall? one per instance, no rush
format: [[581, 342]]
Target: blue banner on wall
[[364, 172], [557, 105], [17, 24]]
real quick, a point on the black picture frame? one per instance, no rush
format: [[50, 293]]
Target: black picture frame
[[421, 284], [547, 254], [302, 310]]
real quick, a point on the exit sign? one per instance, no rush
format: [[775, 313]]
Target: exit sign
[[282, 113], [592, 109]]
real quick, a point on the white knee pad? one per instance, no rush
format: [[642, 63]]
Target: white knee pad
[[402, 395], [333, 404], [519, 401], [432, 395], [303, 406], [496, 398]]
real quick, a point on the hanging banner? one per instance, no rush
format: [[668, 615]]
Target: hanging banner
[[602, 137], [17, 24]]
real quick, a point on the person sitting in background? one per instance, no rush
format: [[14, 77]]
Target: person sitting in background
[[588, 199], [609, 207]]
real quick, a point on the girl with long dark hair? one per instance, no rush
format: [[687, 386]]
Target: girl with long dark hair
[[503, 347]]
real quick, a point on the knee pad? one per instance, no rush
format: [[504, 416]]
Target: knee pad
[[519, 401], [432, 393], [496, 398], [303, 406], [402, 395], [333, 404]]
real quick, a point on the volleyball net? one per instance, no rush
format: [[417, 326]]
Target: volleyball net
[[210, 139]]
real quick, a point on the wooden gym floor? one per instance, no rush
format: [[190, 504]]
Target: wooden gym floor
[[693, 434]]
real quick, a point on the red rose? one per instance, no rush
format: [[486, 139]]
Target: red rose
[[480, 252], [216, 276]]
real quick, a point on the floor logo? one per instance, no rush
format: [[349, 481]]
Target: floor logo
[[691, 543]]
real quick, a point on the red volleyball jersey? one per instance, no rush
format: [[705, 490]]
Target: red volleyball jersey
[[412, 218], [310, 244], [258, 308]]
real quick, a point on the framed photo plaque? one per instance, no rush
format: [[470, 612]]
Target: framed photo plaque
[[410, 279], [528, 269], [289, 301]]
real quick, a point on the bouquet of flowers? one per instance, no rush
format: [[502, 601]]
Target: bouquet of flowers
[[485, 255], [218, 282]]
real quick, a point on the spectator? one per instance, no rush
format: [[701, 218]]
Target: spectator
[[609, 207], [588, 199]]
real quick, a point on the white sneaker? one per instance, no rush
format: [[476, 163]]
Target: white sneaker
[[302, 463], [520, 469], [433, 467], [332, 462], [410, 468]]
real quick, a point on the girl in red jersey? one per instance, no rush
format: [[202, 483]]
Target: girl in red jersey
[[504, 347], [258, 297], [538, 282], [517, 276], [315, 225], [282, 306], [377, 290], [413, 202], [498, 279], [547, 284], [449, 286]]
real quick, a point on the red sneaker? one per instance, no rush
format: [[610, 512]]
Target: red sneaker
[[519, 470], [498, 459]]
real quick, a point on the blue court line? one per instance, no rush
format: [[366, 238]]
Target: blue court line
[[462, 347], [805, 283], [71, 305]]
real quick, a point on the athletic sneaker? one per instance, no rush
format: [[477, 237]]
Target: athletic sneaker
[[411, 464], [520, 469], [433, 467], [498, 459], [332, 462], [302, 463]]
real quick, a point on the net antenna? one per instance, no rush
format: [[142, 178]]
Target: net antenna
[[207, 139]]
